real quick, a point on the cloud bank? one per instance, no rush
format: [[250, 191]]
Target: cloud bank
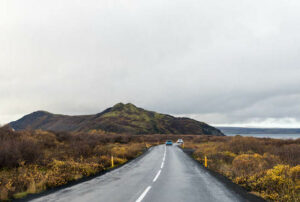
[[231, 62]]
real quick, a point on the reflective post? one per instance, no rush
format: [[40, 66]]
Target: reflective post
[[112, 161]]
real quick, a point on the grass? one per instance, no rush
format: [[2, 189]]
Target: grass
[[20, 195], [33, 161]]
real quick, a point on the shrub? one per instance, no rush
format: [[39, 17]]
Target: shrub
[[240, 145], [13, 151], [31, 161], [278, 185], [289, 153], [248, 164]]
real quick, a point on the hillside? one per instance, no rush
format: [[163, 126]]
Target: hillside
[[241, 130], [121, 118]]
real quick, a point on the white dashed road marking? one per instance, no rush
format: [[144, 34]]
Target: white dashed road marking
[[157, 175], [142, 196]]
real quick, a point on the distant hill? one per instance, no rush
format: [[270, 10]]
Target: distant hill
[[240, 130], [121, 118]]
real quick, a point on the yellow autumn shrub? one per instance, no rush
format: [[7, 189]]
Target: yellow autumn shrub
[[295, 175], [248, 164], [279, 182]]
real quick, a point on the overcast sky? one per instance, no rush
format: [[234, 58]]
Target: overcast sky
[[233, 62]]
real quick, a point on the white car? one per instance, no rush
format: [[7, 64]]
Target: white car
[[179, 141]]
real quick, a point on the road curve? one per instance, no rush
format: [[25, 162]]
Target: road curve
[[163, 174]]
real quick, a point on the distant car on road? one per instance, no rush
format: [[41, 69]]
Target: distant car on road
[[179, 141], [169, 143]]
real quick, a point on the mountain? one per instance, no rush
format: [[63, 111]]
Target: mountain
[[241, 130], [121, 118]]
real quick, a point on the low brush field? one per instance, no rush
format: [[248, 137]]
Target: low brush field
[[33, 161]]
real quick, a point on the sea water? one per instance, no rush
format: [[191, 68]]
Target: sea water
[[276, 136]]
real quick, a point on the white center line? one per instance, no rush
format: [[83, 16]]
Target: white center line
[[143, 194], [157, 175], [162, 165]]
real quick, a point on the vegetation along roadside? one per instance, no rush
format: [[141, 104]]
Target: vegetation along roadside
[[266, 167], [34, 161]]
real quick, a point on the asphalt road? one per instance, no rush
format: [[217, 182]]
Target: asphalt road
[[163, 174]]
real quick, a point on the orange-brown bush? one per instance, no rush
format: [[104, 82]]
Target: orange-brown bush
[[250, 164], [15, 148]]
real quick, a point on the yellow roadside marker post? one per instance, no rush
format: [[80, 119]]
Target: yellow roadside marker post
[[112, 161], [205, 162]]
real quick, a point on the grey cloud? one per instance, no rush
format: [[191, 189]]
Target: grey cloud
[[221, 62]]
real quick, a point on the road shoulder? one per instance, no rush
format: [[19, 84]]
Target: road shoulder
[[225, 181]]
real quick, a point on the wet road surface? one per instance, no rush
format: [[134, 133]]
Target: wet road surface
[[163, 174]]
